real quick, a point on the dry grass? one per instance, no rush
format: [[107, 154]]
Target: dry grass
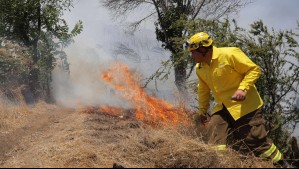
[[55, 137], [134, 145], [12, 114], [101, 141], [3, 52], [167, 148]]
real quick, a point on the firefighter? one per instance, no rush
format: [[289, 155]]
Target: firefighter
[[229, 75]]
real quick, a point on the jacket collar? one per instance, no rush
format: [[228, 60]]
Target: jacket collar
[[215, 53]]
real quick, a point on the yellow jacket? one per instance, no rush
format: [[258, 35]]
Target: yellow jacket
[[230, 69]]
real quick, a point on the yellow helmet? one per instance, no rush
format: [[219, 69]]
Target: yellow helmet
[[198, 40]]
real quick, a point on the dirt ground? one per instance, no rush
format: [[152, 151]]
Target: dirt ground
[[49, 136]]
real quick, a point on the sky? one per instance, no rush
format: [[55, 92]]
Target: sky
[[96, 47], [279, 14]]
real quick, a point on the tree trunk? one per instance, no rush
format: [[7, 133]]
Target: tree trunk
[[34, 78], [180, 78]]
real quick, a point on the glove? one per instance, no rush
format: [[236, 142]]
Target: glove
[[201, 119]]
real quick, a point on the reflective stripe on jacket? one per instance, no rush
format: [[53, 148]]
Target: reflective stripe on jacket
[[230, 69]]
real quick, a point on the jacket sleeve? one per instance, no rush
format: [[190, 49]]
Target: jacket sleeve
[[203, 96], [247, 67]]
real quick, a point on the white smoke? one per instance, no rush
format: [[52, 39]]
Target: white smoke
[[103, 42], [84, 86], [87, 58]]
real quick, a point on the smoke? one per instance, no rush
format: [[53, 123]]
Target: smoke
[[101, 43], [84, 86], [88, 59]]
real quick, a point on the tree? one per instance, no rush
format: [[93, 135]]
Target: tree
[[38, 24], [171, 15]]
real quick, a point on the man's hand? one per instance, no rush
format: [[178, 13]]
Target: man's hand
[[239, 95], [201, 119]]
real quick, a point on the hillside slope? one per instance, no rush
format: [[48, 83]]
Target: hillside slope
[[50, 136]]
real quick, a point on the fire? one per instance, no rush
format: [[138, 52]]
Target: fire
[[148, 108]]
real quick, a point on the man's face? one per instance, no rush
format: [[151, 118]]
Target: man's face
[[199, 55]]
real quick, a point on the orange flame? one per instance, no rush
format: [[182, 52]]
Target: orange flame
[[148, 108]]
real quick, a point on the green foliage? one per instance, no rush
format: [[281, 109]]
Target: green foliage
[[12, 70], [39, 25], [14, 62]]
